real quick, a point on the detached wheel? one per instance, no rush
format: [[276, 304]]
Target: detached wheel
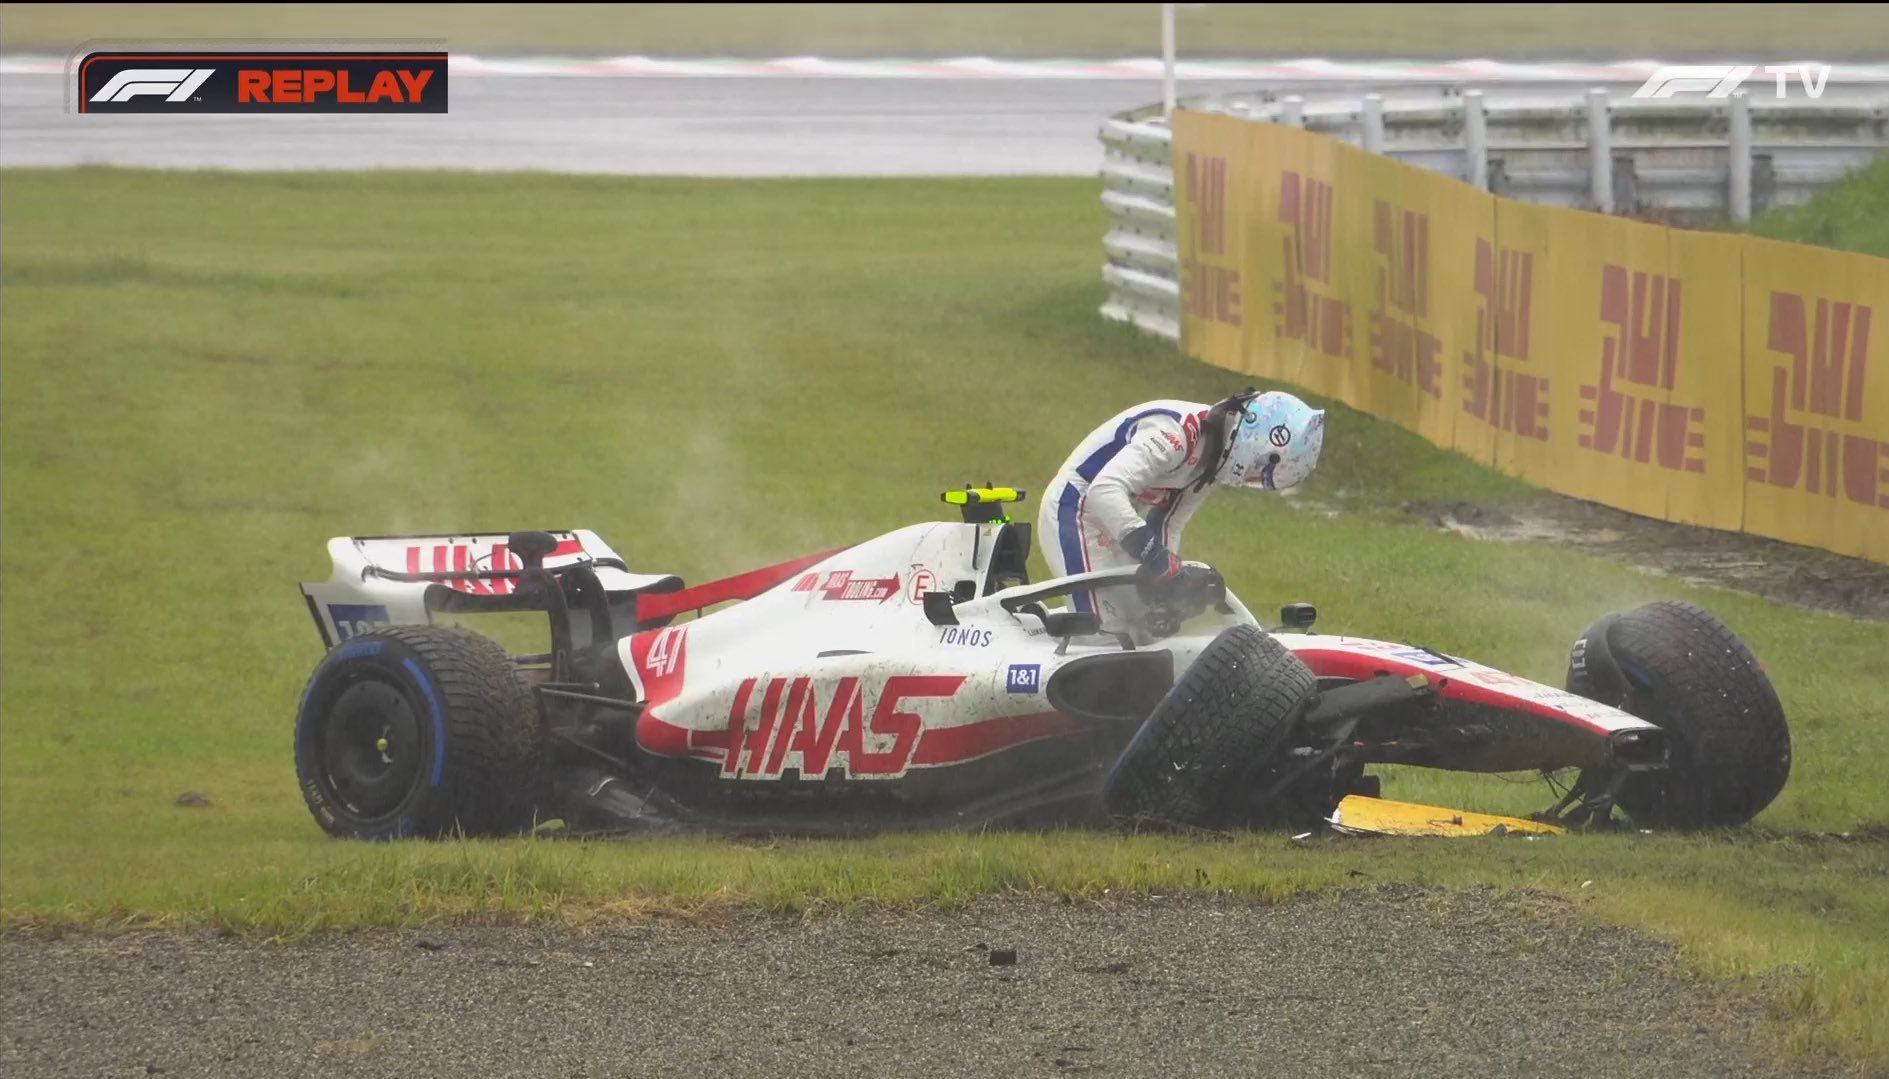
[[1222, 725], [1676, 666], [418, 731]]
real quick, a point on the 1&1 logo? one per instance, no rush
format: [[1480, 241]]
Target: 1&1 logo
[[1024, 678]]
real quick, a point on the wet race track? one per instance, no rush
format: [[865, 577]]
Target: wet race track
[[658, 126]]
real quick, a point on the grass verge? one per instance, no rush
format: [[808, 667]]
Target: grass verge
[[1850, 215], [207, 375]]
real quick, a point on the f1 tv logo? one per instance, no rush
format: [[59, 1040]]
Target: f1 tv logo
[[183, 83], [1719, 80]]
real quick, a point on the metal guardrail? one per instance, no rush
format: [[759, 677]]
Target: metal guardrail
[[1593, 152]]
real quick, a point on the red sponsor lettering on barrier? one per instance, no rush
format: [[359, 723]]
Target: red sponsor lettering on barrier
[[792, 730], [1797, 444], [1209, 291], [1302, 309], [1400, 347], [1498, 395], [1640, 347]]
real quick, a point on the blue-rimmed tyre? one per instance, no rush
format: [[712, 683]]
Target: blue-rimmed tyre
[[420, 731]]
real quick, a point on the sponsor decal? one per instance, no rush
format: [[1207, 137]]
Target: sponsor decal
[[923, 581], [841, 585], [353, 618], [469, 557], [1400, 345], [791, 729], [970, 638], [198, 81], [1425, 659], [1023, 678], [1210, 274], [1812, 434], [1191, 427], [1280, 435], [1307, 305], [1504, 395], [1628, 410]]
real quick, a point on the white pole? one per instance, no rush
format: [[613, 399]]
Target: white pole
[[1600, 158], [1740, 158], [1475, 140], [1374, 123], [1167, 60]]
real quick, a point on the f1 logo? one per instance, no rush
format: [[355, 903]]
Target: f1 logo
[[171, 83]]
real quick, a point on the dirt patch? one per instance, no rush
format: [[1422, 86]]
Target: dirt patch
[[1784, 572]]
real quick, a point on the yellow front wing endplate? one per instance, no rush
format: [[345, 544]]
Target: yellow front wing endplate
[[1357, 815]]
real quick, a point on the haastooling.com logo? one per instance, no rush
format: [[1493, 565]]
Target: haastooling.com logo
[[175, 83]]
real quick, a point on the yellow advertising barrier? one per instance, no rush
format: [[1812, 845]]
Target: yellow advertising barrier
[[1635, 332], [1506, 379], [1213, 184], [1417, 313], [1697, 377], [1816, 423]]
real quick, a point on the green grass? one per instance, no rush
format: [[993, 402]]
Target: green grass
[[1851, 215], [1756, 33], [207, 375]]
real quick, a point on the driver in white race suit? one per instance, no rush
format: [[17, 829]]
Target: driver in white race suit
[[1126, 494]]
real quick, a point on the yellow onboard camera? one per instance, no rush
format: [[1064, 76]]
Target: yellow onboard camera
[[982, 505]]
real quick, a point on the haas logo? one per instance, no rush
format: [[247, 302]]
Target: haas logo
[[791, 728]]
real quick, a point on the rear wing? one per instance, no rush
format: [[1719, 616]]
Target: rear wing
[[405, 580]]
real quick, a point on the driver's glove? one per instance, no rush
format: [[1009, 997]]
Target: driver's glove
[[1144, 545]]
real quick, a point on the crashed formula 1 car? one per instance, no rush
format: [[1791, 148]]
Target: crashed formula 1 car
[[921, 680]]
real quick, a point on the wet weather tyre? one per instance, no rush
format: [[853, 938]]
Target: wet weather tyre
[[1682, 669], [418, 731], [1226, 719]]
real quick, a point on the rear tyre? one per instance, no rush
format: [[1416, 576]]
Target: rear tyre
[[1676, 666], [418, 731], [1221, 726]]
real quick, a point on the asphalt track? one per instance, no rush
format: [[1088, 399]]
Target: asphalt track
[[776, 125], [649, 126]]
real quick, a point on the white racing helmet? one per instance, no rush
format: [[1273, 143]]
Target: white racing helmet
[[1274, 444]]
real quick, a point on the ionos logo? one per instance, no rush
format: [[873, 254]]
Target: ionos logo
[[203, 82]]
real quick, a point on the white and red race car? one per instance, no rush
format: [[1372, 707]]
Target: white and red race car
[[920, 680]]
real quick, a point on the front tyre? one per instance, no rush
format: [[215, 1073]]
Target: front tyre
[[418, 731], [1221, 727], [1676, 666]]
